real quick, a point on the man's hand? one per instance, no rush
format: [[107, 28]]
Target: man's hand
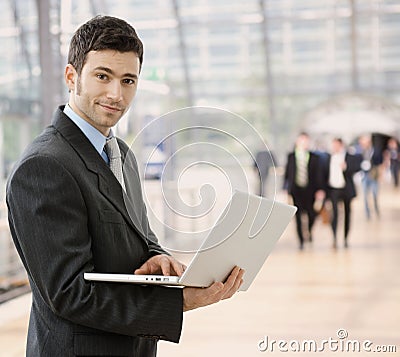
[[161, 264], [194, 298]]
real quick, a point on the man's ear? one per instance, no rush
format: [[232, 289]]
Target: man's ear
[[70, 76]]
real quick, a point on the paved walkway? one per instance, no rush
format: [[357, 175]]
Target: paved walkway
[[298, 296]]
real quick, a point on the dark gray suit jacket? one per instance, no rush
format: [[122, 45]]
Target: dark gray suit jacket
[[315, 174], [68, 216]]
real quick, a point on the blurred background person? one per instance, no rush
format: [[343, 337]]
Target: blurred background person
[[263, 162], [393, 155], [371, 161], [340, 185], [303, 181]]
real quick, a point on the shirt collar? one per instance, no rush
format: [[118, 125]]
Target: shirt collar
[[97, 139], [341, 153], [301, 154]]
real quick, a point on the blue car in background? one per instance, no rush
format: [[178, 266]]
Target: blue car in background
[[154, 161]]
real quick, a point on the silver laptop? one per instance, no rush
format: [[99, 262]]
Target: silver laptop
[[244, 236]]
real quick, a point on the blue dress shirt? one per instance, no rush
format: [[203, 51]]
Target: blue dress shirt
[[97, 139]]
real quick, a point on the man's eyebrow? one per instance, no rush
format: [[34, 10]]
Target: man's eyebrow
[[109, 70]]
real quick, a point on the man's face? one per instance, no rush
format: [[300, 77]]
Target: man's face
[[105, 89], [337, 146], [303, 143], [365, 142]]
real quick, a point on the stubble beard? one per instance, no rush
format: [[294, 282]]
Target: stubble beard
[[90, 111]]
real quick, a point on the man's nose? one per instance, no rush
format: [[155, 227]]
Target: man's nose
[[114, 91]]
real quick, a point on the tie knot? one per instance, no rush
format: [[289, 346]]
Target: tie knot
[[112, 148]]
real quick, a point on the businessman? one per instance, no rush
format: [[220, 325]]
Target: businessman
[[340, 185], [73, 210], [303, 181]]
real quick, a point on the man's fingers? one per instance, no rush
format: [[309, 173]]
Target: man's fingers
[[232, 278], [194, 298], [144, 269], [166, 266], [168, 263], [233, 282], [161, 264], [178, 267], [233, 290], [214, 293], [230, 287], [147, 268], [197, 297], [215, 288], [141, 270]]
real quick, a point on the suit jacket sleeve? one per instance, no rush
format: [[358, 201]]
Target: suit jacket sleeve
[[353, 165], [316, 172], [50, 229]]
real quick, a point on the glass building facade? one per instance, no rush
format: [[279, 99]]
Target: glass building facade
[[270, 61]]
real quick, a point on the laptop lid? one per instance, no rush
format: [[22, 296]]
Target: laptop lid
[[245, 235]]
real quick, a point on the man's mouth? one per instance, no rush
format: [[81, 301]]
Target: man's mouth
[[110, 108]]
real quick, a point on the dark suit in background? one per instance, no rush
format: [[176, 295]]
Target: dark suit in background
[[393, 153], [304, 196], [344, 192], [67, 216]]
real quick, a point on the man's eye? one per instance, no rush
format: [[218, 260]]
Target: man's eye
[[128, 81], [102, 77]]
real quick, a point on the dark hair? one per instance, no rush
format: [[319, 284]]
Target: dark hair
[[339, 140], [103, 33]]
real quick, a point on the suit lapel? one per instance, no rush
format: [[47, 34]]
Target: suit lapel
[[114, 193], [107, 183]]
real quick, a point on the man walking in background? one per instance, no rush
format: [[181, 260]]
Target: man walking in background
[[303, 181], [371, 167], [340, 185]]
